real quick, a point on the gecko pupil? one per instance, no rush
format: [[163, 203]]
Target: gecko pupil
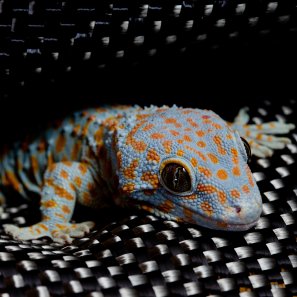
[[176, 178]]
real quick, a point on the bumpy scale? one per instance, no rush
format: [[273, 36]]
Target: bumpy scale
[[178, 163]]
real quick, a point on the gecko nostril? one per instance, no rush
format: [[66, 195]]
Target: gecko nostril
[[237, 209]]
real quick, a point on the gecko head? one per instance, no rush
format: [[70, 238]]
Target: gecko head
[[187, 165]]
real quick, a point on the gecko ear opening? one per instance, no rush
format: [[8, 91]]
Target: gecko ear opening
[[247, 149]]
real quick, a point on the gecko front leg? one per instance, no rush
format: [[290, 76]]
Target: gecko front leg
[[261, 137], [64, 183]]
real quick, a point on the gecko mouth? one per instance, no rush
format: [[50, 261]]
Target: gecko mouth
[[198, 219]]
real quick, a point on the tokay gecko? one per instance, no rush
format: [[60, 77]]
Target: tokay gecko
[[183, 164]]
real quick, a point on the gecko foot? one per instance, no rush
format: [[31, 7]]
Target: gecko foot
[[61, 233]]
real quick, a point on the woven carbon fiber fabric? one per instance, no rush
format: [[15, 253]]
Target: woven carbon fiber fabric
[[134, 254], [45, 37], [44, 42]]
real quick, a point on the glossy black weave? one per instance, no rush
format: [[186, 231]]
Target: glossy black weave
[[134, 254], [44, 41]]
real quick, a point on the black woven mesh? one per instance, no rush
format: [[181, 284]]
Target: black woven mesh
[[134, 254], [57, 56], [46, 44]]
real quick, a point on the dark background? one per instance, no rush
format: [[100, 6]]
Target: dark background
[[236, 65]]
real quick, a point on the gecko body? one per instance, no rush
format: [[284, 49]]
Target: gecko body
[[178, 163]]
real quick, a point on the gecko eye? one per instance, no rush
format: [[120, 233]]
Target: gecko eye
[[176, 178], [247, 149]]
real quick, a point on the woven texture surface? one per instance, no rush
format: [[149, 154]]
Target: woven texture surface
[[134, 254], [42, 42]]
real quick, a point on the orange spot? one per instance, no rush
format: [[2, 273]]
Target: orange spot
[[250, 176], [217, 126], [12, 180], [213, 158], [271, 125], [49, 204], [199, 154], [172, 121], [72, 186], [234, 152], [76, 150], [187, 129], [45, 218], [60, 216], [77, 180], [205, 171], [246, 189], [236, 171], [209, 189], [194, 162], [83, 168], [188, 214], [66, 209], [218, 142], [190, 197], [128, 188], [222, 225], [143, 116], [229, 136], [148, 127], [119, 159], [187, 138], [139, 146], [67, 163], [99, 135], [157, 135], [147, 208], [167, 146], [76, 130], [259, 136], [234, 193], [192, 122], [64, 174], [152, 155], [44, 227], [87, 198], [34, 164], [91, 187], [180, 153], [200, 133], [207, 208], [222, 174], [180, 141], [61, 226], [201, 144], [166, 206], [60, 143], [129, 172], [174, 133], [150, 178], [60, 191]]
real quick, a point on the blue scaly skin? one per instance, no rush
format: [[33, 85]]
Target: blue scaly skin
[[182, 164]]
